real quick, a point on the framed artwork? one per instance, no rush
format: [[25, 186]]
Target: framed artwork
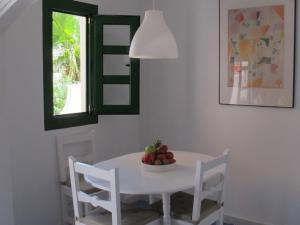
[[257, 52]]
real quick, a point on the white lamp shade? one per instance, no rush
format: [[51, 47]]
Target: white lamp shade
[[154, 39]]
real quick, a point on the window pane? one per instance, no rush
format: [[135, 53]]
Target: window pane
[[116, 65], [116, 94], [69, 63], [116, 35]]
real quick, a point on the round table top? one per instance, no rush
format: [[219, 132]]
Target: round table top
[[134, 180]]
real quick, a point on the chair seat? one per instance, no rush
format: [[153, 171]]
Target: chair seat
[[182, 207], [131, 215]]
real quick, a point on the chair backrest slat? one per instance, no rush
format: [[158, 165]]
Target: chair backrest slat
[[81, 145], [201, 170], [214, 163], [112, 176], [94, 200], [92, 171]]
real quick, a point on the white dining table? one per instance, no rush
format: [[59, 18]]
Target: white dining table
[[135, 181]]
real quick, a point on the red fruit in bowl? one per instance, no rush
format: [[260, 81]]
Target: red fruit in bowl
[[152, 158], [170, 155], [172, 161], [146, 158], [162, 156], [166, 162], [163, 149], [157, 162]]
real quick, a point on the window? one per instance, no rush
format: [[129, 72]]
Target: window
[[69, 63], [118, 75], [87, 71]]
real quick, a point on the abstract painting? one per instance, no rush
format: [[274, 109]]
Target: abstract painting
[[257, 44]]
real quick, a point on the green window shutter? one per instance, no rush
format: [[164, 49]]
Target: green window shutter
[[132, 80], [69, 120]]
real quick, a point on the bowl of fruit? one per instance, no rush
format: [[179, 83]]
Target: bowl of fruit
[[158, 158]]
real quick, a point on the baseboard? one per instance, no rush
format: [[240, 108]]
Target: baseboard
[[239, 221]]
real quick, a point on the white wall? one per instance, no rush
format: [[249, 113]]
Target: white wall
[[10, 10], [32, 151], [180, 105], [6, 206]]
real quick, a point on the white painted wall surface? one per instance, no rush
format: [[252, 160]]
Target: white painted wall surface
[[5, 5], [180, 105], [10, 10], [32, 150], [6, 196]]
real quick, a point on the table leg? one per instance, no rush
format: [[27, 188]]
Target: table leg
[[166, 208]]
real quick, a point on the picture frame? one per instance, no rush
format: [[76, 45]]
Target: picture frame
[[257, 53]]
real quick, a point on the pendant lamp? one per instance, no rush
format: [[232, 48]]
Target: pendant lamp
[[154, 39]]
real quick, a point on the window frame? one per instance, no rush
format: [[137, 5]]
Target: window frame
[[133, 79], [77, 119]]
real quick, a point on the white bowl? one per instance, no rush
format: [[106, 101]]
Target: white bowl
[[157, 168]]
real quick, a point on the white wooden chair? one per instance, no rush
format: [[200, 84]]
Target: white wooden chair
[[81, 146], [200, 209], [111, 215]]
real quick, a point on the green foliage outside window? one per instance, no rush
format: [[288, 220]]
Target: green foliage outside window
[[66, 56], [60, 89]]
